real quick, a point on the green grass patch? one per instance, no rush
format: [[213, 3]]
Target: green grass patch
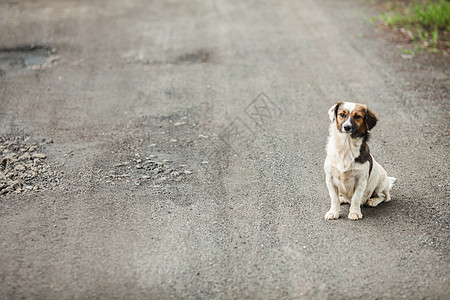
[[426, 23], [408, 51]]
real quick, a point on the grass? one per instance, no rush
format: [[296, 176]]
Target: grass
[[407, 51], [426, 23]]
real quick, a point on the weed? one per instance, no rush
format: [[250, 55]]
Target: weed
[[426, 23], [435, 36], [407, 51]]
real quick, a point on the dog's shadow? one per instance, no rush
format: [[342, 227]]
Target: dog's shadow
[[383, 209]]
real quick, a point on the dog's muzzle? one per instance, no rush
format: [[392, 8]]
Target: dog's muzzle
[[348, 126]]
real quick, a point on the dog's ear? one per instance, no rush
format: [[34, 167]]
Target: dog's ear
[[371, 119], [332, 112]]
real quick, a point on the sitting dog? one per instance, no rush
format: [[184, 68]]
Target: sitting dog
[[352, 175]]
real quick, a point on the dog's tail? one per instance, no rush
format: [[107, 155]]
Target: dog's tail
[[392, 181]]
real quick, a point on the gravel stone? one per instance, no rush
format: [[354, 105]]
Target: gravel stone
[[21, 171], [20, 168], [26, 156], [39, 155]]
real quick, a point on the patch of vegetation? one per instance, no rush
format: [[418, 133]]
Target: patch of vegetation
[[426, 24]]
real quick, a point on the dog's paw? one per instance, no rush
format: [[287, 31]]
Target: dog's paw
[[330, 215], [353, 215], [372, 202]]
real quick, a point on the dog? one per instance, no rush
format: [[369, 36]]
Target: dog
[[352, 174]]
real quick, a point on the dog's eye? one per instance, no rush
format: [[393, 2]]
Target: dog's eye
[[342, 115], [356, 117]]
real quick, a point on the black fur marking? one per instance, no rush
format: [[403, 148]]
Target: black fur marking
[[336, 108], [371, 119], [365, 135], [364, 154]]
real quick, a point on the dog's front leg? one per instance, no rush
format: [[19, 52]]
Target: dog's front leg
[[333, 213], [355, 206]]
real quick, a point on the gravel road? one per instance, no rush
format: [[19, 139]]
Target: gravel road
[[180, 152]]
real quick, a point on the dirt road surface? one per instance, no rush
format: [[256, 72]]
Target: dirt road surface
[[174, 149]]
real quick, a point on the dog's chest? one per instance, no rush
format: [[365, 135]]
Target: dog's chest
[[344, 181], [341, 155]]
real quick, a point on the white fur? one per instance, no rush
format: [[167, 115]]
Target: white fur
[[349, 180], [349, 105]]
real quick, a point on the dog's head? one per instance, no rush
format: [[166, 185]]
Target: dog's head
[[352, 118]]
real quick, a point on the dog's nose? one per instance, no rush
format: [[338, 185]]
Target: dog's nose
[[347, 127]]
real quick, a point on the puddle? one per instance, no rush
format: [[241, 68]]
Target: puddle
[[31, 57], [35, 60]]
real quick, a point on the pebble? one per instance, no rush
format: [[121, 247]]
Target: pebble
[[162, 179], [156, 171], [11, 156], [121, 164], [149, 169], [19, 165], [20, 168], [39, 155], [406, 56], [25, 156]]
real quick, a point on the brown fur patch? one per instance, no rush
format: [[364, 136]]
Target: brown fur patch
[[336, 109], [358, 117], [339, 111]]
